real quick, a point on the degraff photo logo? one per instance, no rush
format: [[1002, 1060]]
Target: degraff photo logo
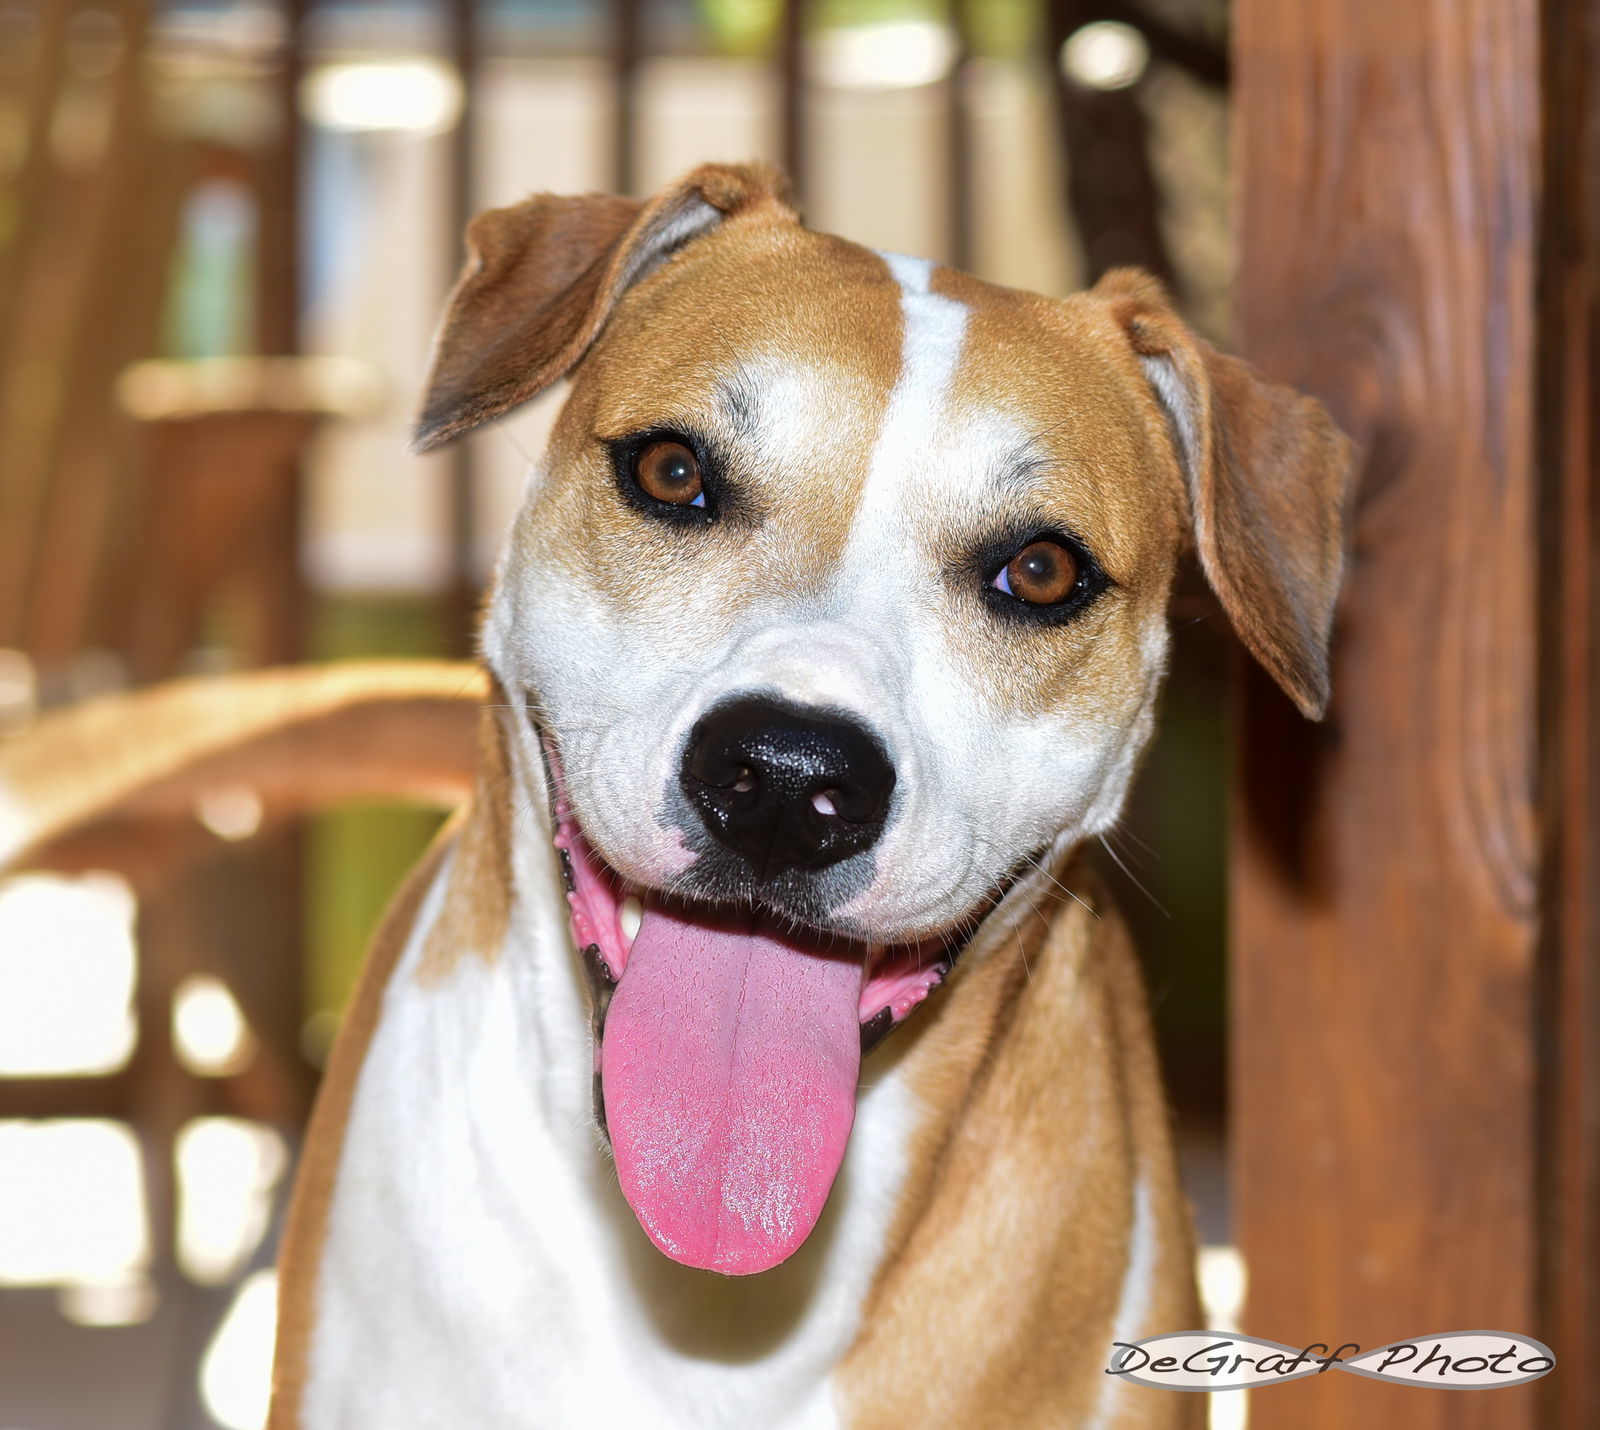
[[1455, 1360]]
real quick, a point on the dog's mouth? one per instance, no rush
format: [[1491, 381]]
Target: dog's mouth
[[728, 1047]]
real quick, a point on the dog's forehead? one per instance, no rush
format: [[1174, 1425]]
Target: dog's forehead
[[808, 347], [740, 315]]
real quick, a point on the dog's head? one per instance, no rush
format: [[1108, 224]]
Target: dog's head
[[839, 602]]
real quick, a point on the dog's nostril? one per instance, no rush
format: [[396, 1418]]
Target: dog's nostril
[[784, 787]]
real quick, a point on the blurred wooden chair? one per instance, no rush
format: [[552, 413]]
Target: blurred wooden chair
[[215, 514]]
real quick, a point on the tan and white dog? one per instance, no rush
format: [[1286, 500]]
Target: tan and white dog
[[831, 628]]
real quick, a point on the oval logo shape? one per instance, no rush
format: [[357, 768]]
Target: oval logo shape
[[1212, 1360], [1457, 1360], [1451, 1360]]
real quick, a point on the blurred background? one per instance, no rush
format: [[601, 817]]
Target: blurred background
[[225, 233]]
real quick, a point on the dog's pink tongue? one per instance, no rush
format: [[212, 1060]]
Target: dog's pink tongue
[[729, 1067]]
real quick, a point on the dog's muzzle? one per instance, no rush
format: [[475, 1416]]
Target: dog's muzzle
[[787, 788]]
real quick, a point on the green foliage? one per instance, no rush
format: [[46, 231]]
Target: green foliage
[[357, 856]]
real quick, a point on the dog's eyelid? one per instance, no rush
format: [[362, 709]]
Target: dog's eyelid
[[1092, 567], [998, 550], [637, 434], [988, 563], [718, 498]]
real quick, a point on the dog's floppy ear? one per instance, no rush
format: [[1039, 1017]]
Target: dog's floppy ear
[[1268, 477], [542, 276]]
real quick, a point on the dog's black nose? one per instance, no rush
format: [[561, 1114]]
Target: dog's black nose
[[787, 788]]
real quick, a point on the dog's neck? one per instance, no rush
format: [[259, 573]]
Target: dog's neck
[[503, 1262]]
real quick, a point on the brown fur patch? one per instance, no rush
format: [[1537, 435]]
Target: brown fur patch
[[477, 898], [1269, 477], [541, 278], [1095, 460], [1041, 1110]]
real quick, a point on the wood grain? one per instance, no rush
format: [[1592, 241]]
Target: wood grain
[[1569, 1026], [1386, 871]]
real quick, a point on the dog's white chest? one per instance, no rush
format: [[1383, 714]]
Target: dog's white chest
[[481, 1267]]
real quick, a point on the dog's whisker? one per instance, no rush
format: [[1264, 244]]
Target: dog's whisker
[[516, 445], [1121, 831], [1133, 878], [1035, 863]]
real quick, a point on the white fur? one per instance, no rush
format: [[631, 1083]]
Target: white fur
[[693, 217], [1133, 1305], [1178, 403]]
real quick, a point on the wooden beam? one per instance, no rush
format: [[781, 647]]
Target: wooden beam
[[466, 590], [1569, 1027], [960, 246], [278, 276], [627, 51], [78, 536], [1387, 866], [791, 60], [282, 592], [56, 331]]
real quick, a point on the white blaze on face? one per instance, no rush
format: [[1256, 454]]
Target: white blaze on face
[[979, 786], [884, 584], [935, 331]]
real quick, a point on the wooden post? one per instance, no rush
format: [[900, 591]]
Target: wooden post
[[1398, 1038], [627, 53], [960, 245], [1569, 1027], [466, 589], [278, 183], [791, 62]]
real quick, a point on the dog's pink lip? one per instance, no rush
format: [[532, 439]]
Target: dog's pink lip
[[897, 977]]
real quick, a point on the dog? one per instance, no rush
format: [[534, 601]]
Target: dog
[[755, 1048]]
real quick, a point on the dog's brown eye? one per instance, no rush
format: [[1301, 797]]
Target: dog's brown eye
[[668, 472], [1041, 574]]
